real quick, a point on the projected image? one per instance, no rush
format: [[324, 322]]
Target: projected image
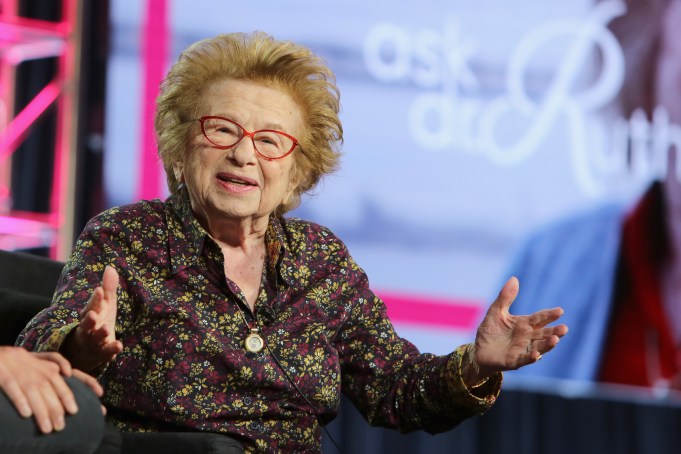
[[616, 268], [468, 128]]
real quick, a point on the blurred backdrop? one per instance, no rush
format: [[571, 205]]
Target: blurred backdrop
[[468, 126]]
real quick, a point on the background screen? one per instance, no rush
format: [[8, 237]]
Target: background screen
[[467, 125]]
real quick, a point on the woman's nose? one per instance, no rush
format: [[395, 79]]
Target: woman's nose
[[244, 151]]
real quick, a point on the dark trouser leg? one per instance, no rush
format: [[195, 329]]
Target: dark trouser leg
[[179, 443], [82, 434]]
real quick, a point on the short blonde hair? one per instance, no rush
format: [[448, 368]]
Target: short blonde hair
[[259, 58]]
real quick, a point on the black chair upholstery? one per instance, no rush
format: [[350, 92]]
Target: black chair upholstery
[[16, 310], [27, 283], [29, 273]]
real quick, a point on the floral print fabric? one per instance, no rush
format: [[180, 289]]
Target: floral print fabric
[[184, 365]]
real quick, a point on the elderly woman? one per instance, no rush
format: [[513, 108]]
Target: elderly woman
[[211, 311]]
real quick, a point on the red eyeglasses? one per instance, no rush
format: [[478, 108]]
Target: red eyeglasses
[[268, 143]]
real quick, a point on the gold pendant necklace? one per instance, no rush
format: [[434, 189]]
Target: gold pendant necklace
[[254, 342]]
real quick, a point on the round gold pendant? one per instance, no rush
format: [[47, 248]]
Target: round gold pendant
[[254, 342]]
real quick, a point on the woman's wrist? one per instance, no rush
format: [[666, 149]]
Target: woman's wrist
[[471, 372]]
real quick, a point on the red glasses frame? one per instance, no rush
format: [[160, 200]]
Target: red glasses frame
[[248, 133]]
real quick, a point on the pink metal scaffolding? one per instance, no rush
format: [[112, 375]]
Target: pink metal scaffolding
[[23, 39]]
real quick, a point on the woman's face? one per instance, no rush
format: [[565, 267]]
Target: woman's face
[[237, 184]]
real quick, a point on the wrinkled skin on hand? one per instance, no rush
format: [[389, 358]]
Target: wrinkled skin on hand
[[506, 342]]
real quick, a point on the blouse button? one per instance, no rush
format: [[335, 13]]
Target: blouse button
[[247, 401]]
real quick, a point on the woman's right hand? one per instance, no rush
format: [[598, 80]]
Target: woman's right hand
[[94, 342]]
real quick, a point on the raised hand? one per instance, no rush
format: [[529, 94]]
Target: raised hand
[[505, 342], [34, 383], [94, 342]]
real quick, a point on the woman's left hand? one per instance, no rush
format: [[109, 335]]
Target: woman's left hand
[[506, 342]]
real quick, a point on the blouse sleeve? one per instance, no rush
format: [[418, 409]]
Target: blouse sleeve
[[390, 382], [96, 248]]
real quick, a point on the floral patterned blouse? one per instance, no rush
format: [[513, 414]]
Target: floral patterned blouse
[[183, 325]]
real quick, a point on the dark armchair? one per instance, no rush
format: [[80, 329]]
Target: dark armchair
[[26, 286]]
